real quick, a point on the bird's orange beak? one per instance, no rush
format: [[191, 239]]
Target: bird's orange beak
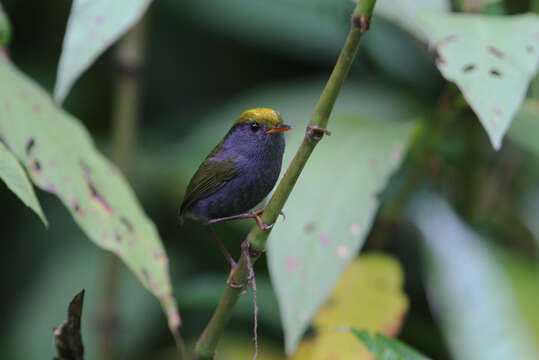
[[278, 129]]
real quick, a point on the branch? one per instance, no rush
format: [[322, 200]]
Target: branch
[[205, 347]]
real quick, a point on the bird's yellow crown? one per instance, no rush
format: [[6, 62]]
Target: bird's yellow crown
[[263, 116]]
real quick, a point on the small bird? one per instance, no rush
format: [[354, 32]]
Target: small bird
[[239, 172]]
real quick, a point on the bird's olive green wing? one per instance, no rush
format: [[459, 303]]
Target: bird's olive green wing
[[209, 178]]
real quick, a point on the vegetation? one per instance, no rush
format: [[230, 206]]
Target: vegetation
[[415, 219]]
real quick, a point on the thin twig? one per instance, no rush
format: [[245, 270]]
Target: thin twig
[[252, 279], [360, 22]]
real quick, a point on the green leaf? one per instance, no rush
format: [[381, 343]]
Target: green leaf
[[330, 212], [468, 290], [406, 12], [492, 59], [93, 26], [385, 348], [13, 175], [368, 295], [525, 127], [5, 28], [60, 158]]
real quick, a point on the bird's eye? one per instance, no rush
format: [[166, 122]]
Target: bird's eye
[[254, 127]]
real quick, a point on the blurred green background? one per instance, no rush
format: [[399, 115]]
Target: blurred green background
[[204, 64]]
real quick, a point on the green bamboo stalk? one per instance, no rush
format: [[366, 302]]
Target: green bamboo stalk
[[256, 239]]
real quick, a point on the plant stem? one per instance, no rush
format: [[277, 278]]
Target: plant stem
[[205, 347], [129, 56]]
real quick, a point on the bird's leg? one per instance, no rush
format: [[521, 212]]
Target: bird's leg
[[227, 256], [253, 214], [222, 247]]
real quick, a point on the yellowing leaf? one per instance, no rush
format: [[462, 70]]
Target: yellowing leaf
[[368, 295], [334, 345], [60, 158]]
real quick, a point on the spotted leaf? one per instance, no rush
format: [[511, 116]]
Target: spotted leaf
[[492, 59], [61, 158], [329, 213]]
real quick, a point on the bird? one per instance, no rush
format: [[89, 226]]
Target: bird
[[238, 173]]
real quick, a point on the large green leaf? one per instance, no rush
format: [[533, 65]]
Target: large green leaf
[[468, 290], [93, 26], [330, 212], [368, 295], [525, 127], [16, 180], [406, 12], [60, 158], [385, 348], [5, 28], [492, 59]]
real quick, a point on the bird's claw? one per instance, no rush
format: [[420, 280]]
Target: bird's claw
[[256, 215]]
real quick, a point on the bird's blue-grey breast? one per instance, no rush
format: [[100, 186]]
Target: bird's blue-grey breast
[[256, 159]]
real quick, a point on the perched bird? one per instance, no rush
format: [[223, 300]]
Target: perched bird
[[239, 172]]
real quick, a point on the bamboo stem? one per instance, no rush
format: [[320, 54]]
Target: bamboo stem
[[205, 347]]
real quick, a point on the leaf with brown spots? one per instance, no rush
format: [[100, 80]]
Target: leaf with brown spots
[[60, 158], [369, 296], [330, 212], [93, 26], [492, 59]]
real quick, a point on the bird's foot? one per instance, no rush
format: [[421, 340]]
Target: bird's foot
[[316, 132], [256, 215]]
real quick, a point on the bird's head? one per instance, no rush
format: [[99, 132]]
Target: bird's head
[[262, 121], [256, 131]]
